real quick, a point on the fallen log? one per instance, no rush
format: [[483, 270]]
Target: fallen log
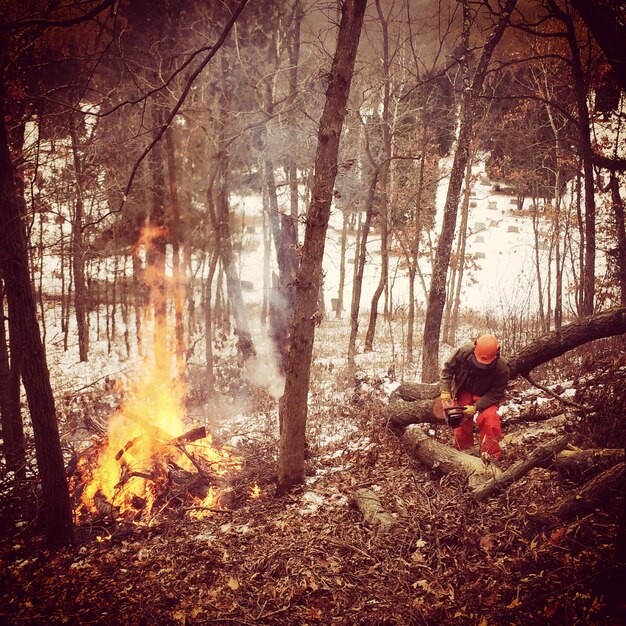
[[374, 514], [415, 391], [402, 413], [445, 458], [519, 469], [545, 348], [578, 464], [558, 342], [594, 492]]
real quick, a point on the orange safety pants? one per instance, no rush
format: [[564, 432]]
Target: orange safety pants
[[488, 422]]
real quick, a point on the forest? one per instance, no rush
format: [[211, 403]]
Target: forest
[[242, 244]]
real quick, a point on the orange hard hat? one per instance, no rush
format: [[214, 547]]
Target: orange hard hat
[[486, 349]]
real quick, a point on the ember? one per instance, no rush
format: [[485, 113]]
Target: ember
[[150, 458]]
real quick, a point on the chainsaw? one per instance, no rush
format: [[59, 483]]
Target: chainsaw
[[453, 413]]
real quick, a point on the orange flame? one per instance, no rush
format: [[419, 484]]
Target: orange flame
[[141, 437]]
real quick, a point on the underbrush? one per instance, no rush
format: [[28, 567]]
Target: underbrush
[[307, 557]]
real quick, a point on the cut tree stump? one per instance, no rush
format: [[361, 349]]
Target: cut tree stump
[[597, 491], [445, 458], [374, 514], [521, 468]]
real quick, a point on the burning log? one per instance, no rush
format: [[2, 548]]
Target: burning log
[[374, 514], [517, 470]]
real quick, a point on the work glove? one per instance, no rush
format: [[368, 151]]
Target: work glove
[[446, 398], [469, 410]]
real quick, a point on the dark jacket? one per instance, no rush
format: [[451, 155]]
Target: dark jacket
[[460, 373]]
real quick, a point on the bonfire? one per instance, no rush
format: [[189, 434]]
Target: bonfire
[[151, 459]]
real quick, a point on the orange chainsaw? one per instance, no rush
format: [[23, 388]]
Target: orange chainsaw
[[452, 413]]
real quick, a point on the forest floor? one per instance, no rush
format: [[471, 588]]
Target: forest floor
[[307, 557]]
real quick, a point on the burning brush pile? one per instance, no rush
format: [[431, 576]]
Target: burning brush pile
[[150, 461]]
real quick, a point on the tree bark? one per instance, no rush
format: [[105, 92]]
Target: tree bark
[[539, 456], [585, 463], [78, 252], [580, 331], [620, 252], [374, 514], [14, 263], [600, 489], [360, 258], [342, 264], [384, 215], [607, 24], [445, 458], [294, 402], [175, 231], [12, 427]]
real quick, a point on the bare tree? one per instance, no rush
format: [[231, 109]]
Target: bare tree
[[293, 408], [471, 90]]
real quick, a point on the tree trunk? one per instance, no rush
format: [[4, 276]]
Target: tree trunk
[[384, 187], [245, 345], [12, 427], [444, 458], [293, 408], [342, 264], [414, 259], [359, 263], [620, 253], [208, 320], [156, 249], [78, 252], [452, 313], [15, 270], [586, 155], [437, 291], [175, 232]]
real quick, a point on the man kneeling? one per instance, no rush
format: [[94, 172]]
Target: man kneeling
[[476, 377]]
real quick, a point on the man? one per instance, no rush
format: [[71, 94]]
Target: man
[[476, 377]]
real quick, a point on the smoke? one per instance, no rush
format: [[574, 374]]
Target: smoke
[[262, 369]]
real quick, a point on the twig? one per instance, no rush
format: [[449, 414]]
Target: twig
[[530, 379]]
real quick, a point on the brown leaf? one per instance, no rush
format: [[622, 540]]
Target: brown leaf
[[486, 543]]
